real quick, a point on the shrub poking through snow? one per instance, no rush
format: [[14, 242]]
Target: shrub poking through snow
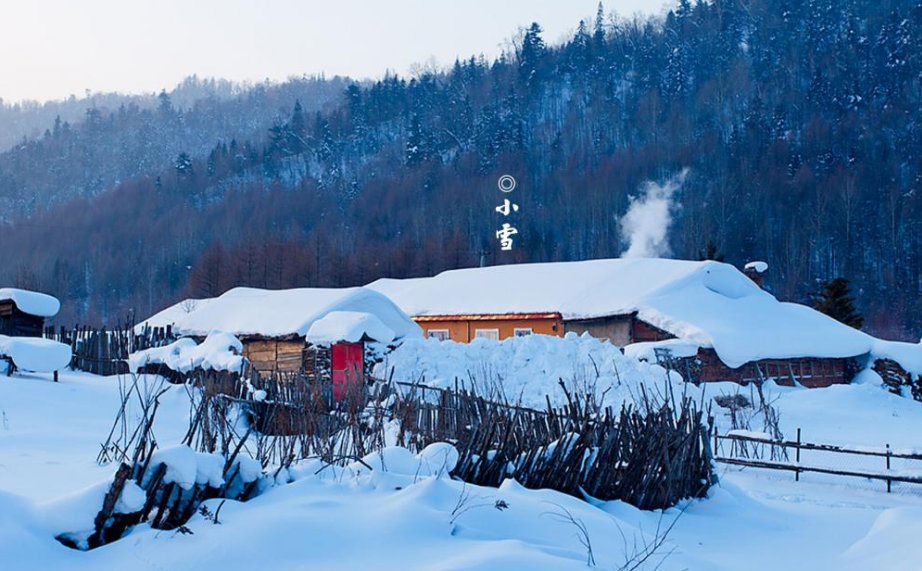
[[164, 487]]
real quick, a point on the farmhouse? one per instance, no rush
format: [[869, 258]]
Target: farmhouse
[[707, 318], [294, 330], [23, 313]]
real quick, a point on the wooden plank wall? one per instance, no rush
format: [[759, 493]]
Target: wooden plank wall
[[15, 323], [274, 355]]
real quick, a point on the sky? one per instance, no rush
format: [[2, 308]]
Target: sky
[[50, 49]]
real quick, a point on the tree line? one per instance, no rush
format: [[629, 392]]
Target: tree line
[[798, 122]]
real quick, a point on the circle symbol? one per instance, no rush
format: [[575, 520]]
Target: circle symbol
[[506, 183]]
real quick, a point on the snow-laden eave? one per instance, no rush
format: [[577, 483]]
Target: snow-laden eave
[[31, 302]]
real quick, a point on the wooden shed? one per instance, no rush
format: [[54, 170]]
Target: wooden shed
[[307, 330], [739, 331], [23, 313]]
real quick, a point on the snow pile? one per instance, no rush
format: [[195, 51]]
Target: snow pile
[[276, 313], [219, 352], [33, 303], [907, 355], [757, 267], [647, 351], [186, 467], [35, 354], [525, 369], [885, 544], [351, 326], [435, 460]]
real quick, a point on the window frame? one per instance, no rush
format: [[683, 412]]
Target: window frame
[[439, 332], [494, 331]]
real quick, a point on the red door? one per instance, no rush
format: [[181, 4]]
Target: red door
[[348, 368]]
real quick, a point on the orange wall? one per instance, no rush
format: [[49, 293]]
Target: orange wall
[[465, 329]]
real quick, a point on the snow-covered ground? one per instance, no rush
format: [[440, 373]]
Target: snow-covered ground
[[50, 435]]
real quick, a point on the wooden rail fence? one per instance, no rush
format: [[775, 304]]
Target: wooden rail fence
[[744, 450]]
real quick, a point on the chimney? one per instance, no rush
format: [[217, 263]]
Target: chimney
[[756, 272]]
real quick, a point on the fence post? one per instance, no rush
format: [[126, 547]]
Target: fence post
[[797, 458], [888, 468], [715, 442]]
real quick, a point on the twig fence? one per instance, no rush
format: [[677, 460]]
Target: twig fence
[[651, 454], [754, 451]]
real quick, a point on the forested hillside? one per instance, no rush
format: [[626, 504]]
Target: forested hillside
[[126, 137], [798, 122]]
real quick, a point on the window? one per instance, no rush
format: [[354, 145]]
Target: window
[[492, 334], [440, 334], [522, 331]]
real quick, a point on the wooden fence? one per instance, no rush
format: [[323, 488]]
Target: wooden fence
[[650, 455], [104, 351], [755, 451]]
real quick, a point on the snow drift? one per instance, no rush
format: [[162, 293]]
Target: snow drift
[[526, 368], [35, 354], [219, 351]]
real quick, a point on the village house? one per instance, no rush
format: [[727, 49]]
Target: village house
[[708, 319], [295, 330]]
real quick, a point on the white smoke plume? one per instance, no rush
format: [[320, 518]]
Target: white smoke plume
[[645, 225]]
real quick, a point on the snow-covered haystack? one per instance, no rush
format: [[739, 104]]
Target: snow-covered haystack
[[526, 369], [218, 352], [35, 354]]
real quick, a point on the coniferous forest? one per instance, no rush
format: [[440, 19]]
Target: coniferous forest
[[799, 122]]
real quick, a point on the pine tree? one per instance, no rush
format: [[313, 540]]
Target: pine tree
[[165, 105], [533, 49], [835, 300], [415, 153], [710, 253], [296, 131], [183, 164]]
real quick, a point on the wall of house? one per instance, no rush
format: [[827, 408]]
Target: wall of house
[[463, 330], [642, 332], [18, 324], [617, 329], [810, 372], [271, 355]]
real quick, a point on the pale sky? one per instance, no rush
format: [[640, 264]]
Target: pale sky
[[50, 49]]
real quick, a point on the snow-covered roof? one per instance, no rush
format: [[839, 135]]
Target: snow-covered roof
[[351, 326], [709, 303], [173, 314], [31, 302], [279, 313]]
